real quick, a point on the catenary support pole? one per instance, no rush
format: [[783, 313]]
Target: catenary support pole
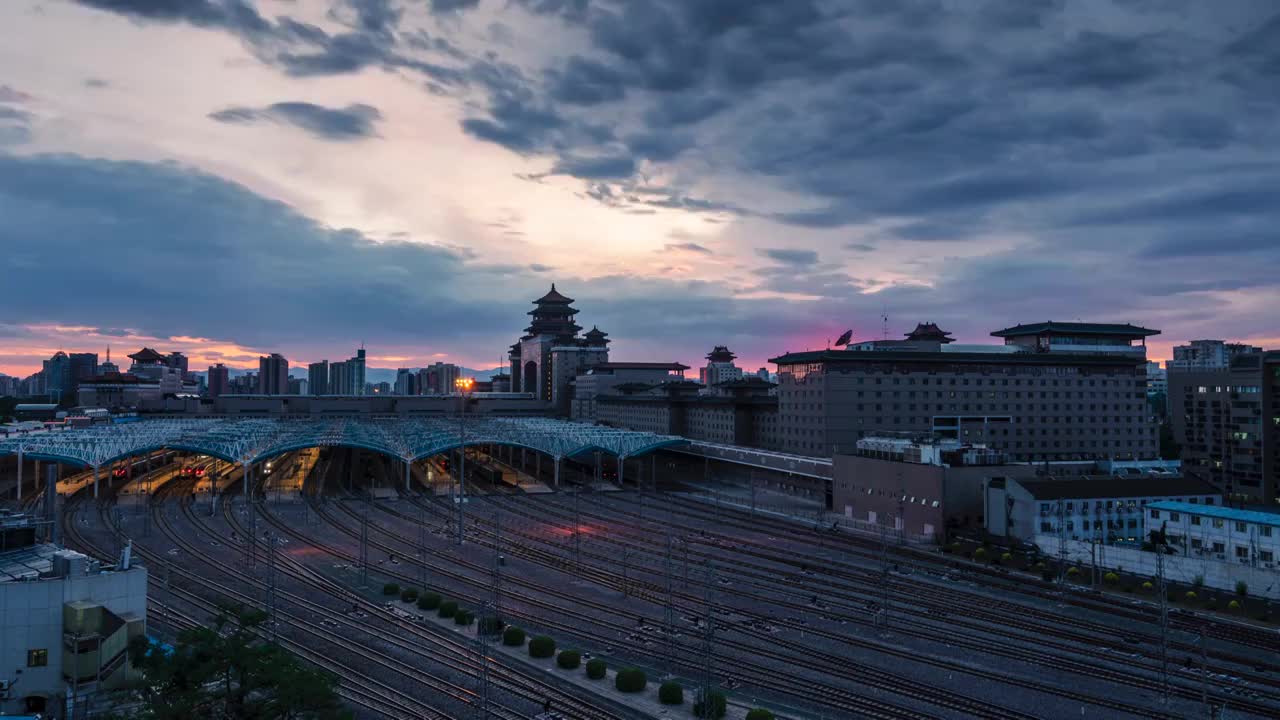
[[557, 481], [95, 481], [20, 472]]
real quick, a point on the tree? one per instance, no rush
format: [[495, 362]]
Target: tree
[[714, 709], [1242, 589], [228, 671], [671, 693]]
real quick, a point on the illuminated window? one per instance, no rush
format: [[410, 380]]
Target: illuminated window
[[37, 658]]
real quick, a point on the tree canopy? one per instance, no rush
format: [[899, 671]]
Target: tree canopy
[[228, 670]]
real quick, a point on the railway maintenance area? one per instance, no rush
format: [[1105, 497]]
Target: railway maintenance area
[[574, 533]]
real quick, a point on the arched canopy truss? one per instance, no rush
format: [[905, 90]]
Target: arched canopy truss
[[253, 440]]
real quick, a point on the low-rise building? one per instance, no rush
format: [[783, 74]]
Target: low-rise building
[[1248, 537], [739, 412], [65, 624], [1105, 509], [920, 488], [603, 378]]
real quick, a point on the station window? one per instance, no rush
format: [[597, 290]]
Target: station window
[[37, 658]]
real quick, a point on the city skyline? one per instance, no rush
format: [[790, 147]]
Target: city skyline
[[317, 174]]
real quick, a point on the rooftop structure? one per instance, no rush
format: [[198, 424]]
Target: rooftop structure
[[1078, 337], [931, 333]]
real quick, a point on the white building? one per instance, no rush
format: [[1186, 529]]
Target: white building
[[1091, 508], [1248, 537], [1207, 355], [65, 625]]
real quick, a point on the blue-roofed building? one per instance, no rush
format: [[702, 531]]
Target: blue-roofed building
[[1248, 537]]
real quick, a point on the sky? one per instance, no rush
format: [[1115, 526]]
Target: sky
[[237, 177]]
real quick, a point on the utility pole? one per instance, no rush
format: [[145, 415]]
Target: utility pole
[[271, 583], [497, 561], [577, 528], [1062, 545], [884, 580], [364, 543], [670, 617], [422, 542], [1204, 671], [252, 549], [709, 632], [1164, 628], [753, 491]]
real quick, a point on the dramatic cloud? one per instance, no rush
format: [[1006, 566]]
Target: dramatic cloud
[[354, 122], [1036, 159]]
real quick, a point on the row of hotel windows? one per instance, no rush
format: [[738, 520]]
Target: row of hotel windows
[[924, 407], [1001, 394], [1247, 389], [1048, 527]]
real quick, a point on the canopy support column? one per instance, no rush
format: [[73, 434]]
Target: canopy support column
[[95, 481], [406, 474], [622, 465], [20, 472], [557, 482]]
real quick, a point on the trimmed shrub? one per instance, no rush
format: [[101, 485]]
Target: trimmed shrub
[[630, 680], [569, 659], [390, 589], [1073, 571], [513, 637], [447, 609], [1147, 586], [541, 646], [714, 709], [596, 668], [759, 714], [409, 595], [429, 601], [489, 625], [1111, 578], [1190, 595], [980, 554], [1005, 557], [464, 618], [671, 693], [1233, 605], [1242, 589]]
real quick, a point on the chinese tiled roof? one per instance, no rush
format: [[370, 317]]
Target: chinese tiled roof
[[1121, 329]]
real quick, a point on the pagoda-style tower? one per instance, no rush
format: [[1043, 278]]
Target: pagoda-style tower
[[551, 353], [553, 315], [930, 332]]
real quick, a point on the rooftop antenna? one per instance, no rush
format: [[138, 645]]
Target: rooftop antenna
[[884, 319]]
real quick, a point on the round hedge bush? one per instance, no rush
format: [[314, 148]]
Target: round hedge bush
[[1006, 557], [447, 609], [759, 714], [1111, 578], [513, 637], [569, 659], [489, 625], [671, 693], [717, 708], [1190, 595], [1234, 605], [429, 601], [1147, 586], [541, 646], [391, 589], [464, 618], [630, 680], [596, 668], [1073, 571], [409, 595], [979, 554]]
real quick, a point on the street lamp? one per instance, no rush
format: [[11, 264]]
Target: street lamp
[[463, 386]]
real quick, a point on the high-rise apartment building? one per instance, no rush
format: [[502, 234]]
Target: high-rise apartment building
[[441, 378], [219, 380], [1207, 355], [273, 375], [318, 378], [177, 361], [84, 366], [406, 382], [1227, 421], [348, 377], [57, 377], [1046, 397]]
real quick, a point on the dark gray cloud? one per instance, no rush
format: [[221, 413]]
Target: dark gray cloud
[[354, 122], [13, 95], [790, 256], [448, 6], [687, 247], [73, 216]]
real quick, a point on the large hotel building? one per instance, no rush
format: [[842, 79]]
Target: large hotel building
[[1053, 391]]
